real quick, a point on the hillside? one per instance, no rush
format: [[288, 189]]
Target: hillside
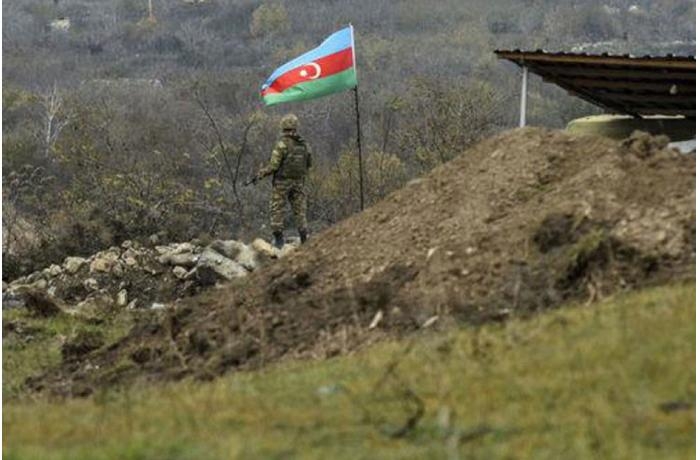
[[525, 221], [118, 125]]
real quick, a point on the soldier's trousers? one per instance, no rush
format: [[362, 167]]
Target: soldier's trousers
[[284, 190]]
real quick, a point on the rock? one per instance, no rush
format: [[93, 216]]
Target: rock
[[186, 259], [152, 267], [130, 257], [40, 284], [265, 248], [158, 306], [180, 272], [12, 299], [131, 252], [73, 264], [34, 277], [287, 249], [132, 304], [105, 262], [237, 251], [154, 239], [228, 248], [127, 244], [118, 269], [248, 258], [163, 249], [377, 318], [93, 306], [223, 266], [91, 284], [130, 262], [20, 286], [20, 280], [203, 276], [122, 298], [180, 248], [430, 321], [60, 25]]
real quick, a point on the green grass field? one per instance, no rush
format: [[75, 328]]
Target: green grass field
[[611, 380]]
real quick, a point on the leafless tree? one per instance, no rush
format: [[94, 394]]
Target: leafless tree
[[54, 117]]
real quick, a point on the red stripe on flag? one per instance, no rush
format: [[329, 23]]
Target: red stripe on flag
[[320, 68]]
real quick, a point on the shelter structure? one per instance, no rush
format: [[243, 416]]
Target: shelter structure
[[637, 87]]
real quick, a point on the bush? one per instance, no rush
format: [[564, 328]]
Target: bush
[[269, 20], [439, 119], [334, 191]]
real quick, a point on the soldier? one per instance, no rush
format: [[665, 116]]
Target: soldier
[[289, 164]]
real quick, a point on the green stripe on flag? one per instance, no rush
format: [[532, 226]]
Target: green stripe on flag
[[316, 88]]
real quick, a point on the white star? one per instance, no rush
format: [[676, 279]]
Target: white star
[[303, 73]]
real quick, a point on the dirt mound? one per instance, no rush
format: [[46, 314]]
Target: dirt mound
[[522, 222]]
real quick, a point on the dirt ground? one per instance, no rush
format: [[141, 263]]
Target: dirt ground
[[525, 221]]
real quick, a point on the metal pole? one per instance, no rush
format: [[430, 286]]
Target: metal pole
[[359, 150], [523, 99]]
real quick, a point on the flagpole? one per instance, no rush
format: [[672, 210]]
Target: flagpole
[[357, 116], [359, 150]]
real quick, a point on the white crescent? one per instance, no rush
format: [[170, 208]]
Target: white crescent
[[318, 70]]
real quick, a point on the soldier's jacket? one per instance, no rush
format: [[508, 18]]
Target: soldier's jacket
[[290, 159]]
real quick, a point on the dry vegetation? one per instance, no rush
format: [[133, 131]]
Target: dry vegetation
[[117, 126], [120, 127]]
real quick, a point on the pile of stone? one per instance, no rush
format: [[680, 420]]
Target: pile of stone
[[140, 276]]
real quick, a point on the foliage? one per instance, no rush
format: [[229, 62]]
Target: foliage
[[269, 19], [576, 383], [582, 22], [334, 193], [442, 121], [152, 126]]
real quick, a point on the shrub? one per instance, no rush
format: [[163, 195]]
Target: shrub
[[269, 20]]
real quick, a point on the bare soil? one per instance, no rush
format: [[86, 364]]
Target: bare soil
[[525, 221]]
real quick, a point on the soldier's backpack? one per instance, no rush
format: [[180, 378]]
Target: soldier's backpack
[[297, 159]]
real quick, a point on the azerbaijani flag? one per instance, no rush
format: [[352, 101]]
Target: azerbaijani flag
[[328, 69]]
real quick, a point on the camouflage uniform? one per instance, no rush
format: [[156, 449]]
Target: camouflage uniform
[[289, 165], [292, 190]]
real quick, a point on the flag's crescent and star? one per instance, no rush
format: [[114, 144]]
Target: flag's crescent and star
[[313, 74], [327, 69]]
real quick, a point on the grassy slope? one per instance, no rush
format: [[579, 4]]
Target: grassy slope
[[574, 383], [40, 345]]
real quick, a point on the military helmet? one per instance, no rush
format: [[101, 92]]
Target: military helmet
[[289, 121]]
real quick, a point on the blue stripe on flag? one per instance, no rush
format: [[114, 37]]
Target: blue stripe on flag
[[337, 42]]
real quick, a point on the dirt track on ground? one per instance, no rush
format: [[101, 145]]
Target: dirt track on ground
[[524, 221]]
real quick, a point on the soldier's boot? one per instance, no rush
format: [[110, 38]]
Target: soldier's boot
[[303, 235], [278, 239]]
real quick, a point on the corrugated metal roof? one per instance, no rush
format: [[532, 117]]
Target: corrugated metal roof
[[622, 83]]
